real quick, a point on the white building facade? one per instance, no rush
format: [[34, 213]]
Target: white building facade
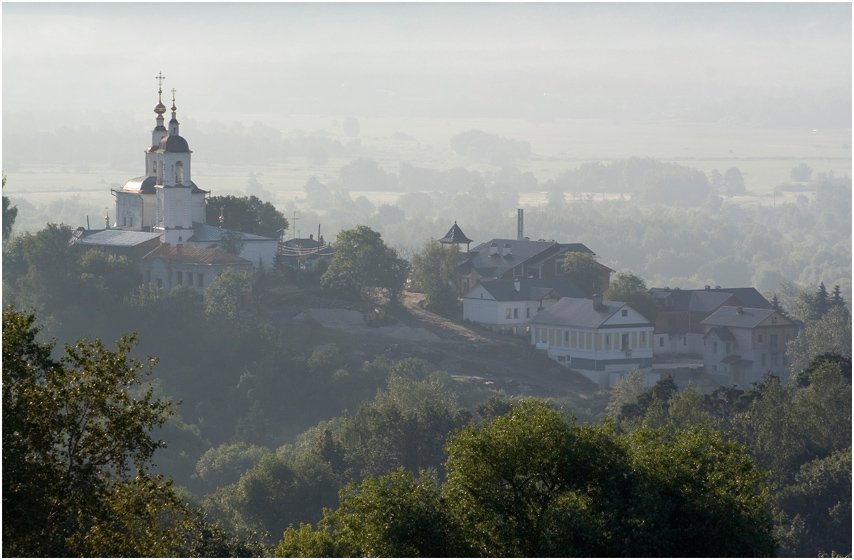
[[601, 339]]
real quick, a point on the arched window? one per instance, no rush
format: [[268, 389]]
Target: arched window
[[179, 173]]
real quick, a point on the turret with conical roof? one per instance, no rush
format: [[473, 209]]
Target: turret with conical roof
[[455, 236]]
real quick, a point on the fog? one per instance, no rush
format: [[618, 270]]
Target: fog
[[64, 64], [406, 117]]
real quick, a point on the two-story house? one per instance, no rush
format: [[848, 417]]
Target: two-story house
[[747, 343], [599, 338], [678, 323]]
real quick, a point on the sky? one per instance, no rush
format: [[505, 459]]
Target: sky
[[769, 64]]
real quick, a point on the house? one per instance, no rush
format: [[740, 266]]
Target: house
[[305, 254], [259, 250], [746, 343], [507, 305], [521, 258], [601, 339], [678, 323], [169, 266]]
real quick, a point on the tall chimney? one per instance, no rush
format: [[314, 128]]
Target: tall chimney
[[520, 224], [597, 302]]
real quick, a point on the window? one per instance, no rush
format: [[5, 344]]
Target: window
[[515, 312], [624, 341], [715, 346], [527, 312], [661, 342], [773, 358], [148, 277], [566, 338], [773, 341], [199, 281], [643, 340], [763, 360], [624, 313], [508, 313], [759, 338], [159, 282], [607, 342]]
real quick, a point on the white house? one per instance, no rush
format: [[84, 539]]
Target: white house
[[508, 305], [747, 343], [599, 338], [169, 266]]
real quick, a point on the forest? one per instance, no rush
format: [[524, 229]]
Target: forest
[[211, 428]]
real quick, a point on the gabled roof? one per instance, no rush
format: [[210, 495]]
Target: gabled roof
[[455, 235], [530, 289], [112, 238], [579, 312], [195, 255], [208, 233], [741, 317], [495, 265], [708, 299], [722, 333]]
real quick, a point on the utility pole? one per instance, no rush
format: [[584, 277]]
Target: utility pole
[[294, 228]]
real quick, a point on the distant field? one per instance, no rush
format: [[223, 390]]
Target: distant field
[[765, 156]]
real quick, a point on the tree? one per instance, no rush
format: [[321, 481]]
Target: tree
[[393, 516], [801, 173], [830, 334], [631, 289], [583, 269], [248, 214], [9, 214], [362, 261], [225, 295], [77, 450], [734, 182], [434, 271]]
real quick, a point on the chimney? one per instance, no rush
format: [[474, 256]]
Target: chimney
[[517, 285], [506, 250], [493, 249], [739, 310], [597, 302], [520, 224]]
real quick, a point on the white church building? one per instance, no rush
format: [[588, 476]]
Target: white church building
[[167, 202]]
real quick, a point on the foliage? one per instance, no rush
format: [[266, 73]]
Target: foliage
[[632, 289], [393, 516], [819, 504], [247, 214], [830, 334], [76, 451], [361, 261], [734, 182], [9, 214], [533, 483], [274, 494], [227, 293], [434, 271], [224, 464], [583, 270]]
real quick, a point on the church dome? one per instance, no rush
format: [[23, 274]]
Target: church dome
[[160, 108], [174, 144]]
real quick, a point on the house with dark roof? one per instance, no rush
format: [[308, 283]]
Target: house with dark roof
[[509, 259], [169, 266], [746, 343], [601, 339], [508, 305], [305, 254], [678, 323]]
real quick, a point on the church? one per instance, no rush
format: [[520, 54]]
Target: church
[[160, 218]]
